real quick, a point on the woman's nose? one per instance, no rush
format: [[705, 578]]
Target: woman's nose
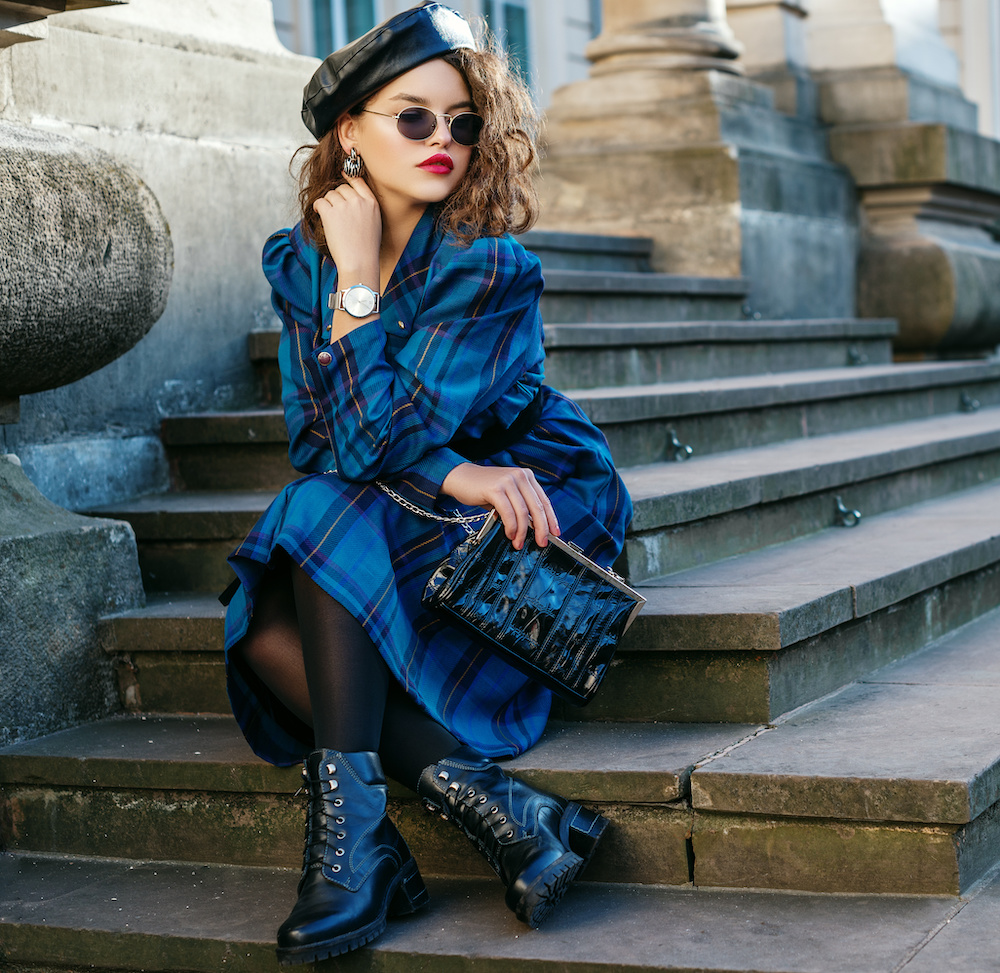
[[442, 132]]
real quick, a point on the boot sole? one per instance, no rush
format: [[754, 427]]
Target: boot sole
[[580, 830], [407, 894]]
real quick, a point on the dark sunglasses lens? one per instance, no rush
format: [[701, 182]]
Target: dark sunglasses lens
[[465, 128], [416, 123]]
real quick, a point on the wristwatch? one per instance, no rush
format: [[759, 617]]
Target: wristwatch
[[358, 300]]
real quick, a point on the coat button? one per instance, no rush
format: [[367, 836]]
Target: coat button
[[324, 358]]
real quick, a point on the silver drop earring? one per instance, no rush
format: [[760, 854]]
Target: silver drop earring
[[354, 165]]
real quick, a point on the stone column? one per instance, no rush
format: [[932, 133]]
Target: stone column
[[929, 183], [773, 35], [636, 148], [667, 139], [662, 35]]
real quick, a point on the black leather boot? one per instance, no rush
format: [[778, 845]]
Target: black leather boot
[[536, 842], [356, 870]]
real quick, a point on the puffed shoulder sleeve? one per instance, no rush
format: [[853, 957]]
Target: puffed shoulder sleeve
[[475, 333]]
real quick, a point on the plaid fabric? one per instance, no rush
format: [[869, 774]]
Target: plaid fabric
[[458, 348]]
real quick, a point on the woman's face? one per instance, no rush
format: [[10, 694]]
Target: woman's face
[[405, 171]]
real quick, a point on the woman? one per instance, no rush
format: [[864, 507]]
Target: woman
[[411, 361]]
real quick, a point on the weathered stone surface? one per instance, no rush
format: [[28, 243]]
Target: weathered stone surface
[[886, 95], [85, 259], [918, 746], [10, 410], [825, 856], [212, 917], [133, 83], [189, 789], [968, 940], [60, 573], [931, 193]]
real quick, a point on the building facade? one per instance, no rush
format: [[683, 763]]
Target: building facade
[[546, 39]]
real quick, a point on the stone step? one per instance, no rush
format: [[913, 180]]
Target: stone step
[[610, 296], [581, 356], [757, 635], [588, 251], [644, 424], [76, 913], [189, 789], [740, 640], [687, 513], [712, 507], [185, 537], [598, 355], [893, 783]]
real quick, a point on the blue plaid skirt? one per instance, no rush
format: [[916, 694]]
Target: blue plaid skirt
[[374, 557]]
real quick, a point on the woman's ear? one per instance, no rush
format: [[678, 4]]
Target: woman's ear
[[347, 127]]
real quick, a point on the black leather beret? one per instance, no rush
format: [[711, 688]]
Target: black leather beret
[[401, 43]]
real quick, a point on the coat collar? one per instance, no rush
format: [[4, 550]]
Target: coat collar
[[401, 299]]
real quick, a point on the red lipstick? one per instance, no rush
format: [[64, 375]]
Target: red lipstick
[[439, 163]]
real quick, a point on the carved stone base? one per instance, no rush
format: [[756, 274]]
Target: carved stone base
[[930, 256], [725, 185]]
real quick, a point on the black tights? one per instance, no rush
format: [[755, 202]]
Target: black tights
[[321, 664]]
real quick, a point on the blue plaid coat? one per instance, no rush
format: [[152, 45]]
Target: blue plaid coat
[[456, 350]]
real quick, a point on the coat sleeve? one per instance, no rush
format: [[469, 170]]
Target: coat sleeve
[[351, 406]]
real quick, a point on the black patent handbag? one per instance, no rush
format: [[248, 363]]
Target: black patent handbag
[[551, 612]]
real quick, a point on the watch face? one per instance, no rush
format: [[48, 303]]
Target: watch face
[[359, 301]]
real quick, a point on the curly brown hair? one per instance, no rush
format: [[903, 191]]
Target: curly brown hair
[[498, 194]]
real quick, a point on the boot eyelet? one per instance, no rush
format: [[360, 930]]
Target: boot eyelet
[[334, 868], [503, 818], [482, 800], [341, 835], [494, 809], [338, 802], [340, 820], [340, 851], [333, 785], [331, 768], [472, 792], [509, 834]]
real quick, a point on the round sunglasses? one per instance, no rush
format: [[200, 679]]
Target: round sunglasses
[[419, 123]]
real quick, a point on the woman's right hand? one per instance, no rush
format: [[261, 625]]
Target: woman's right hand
[[352, 224], [513, 492]]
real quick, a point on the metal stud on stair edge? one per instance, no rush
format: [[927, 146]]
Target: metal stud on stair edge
[[845, 517], [676, 450], [966, 403]]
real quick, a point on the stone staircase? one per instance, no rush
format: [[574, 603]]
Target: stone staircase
[[807, 704]]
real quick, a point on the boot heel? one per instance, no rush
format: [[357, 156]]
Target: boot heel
[[411, 893], [581, 829]]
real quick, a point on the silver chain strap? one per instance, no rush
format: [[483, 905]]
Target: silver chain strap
[[466, 522]]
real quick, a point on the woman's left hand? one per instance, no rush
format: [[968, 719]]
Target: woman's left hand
[[513, 492]]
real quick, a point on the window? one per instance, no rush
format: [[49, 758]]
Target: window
[[509, 21], [338, 22]]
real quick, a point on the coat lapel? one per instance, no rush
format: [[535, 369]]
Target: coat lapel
[[401, 299]]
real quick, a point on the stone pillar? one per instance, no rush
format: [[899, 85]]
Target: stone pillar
[[929, 184], [657, 35], [773, 35], [667, 139], [636, 147]]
